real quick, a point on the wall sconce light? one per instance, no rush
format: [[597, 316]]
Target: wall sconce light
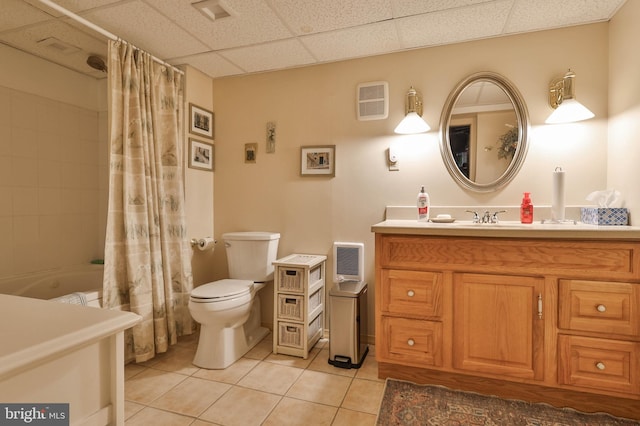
[[412, 122], [562, 99]]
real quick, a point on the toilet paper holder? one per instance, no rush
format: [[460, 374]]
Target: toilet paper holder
[[203, 243]]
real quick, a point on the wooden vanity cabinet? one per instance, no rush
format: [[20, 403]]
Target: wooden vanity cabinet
[[546, 320]]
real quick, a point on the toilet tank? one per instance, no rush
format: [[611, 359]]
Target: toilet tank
[[250, 255]]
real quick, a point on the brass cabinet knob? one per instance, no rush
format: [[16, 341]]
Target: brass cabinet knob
[[600, 366], [411, 293], [601, 308], [411, 342]]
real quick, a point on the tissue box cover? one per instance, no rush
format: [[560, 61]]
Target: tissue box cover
[[604, 215]]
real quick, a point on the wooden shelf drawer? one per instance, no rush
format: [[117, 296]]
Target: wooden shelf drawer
[[579, 259], [599, 364], [414, 342], [602, 307], [412, 293]]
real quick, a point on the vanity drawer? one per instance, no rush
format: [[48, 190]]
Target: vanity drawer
[[412, 293], [602, 307], [599, 364], [576, 259], [414, 342]]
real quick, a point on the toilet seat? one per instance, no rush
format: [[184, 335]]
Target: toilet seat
[[220, 291]]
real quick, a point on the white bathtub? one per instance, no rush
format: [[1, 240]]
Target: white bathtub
[[65, 284]]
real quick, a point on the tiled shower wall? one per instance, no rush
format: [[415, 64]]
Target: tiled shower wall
[[52, 183]]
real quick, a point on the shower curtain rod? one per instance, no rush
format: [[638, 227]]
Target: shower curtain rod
[[101, 30]]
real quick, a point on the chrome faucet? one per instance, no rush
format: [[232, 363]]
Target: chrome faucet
[[487, 217]]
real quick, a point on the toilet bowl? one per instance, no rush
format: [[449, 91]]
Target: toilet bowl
[[228, 310]]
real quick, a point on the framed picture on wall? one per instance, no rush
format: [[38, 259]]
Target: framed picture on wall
[[318, 160], [201, 121], [201, 155]]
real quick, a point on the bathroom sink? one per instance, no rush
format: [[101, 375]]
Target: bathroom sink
[[512, 224], [500, 225]]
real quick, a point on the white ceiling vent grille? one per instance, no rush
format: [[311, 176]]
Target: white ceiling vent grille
[[212, 9], [373, 100], [58, 45]]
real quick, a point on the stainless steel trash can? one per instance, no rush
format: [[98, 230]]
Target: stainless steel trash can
[[348, 324]]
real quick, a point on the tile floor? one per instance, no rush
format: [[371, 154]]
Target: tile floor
[[261, 388]]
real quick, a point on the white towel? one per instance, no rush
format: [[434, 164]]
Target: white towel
[[73, 298]]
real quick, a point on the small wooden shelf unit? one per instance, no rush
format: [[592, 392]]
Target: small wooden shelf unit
[[299, 288]]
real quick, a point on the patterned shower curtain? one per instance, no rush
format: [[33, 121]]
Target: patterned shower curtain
[[147, 255]]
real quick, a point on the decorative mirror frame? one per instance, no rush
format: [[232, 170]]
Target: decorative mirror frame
[[522, 116]]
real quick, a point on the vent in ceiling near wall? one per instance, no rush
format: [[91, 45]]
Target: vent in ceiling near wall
[[58, 45], [212, 9], [372, 100]]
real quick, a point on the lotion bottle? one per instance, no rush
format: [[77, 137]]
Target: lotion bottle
[[526, 209], [423, 205]]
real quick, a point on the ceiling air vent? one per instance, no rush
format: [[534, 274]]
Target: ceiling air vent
[[58, 45], [212, 9], [373, 100]]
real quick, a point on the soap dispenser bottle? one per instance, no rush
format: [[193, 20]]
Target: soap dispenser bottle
[[423, 205], [526, 209]]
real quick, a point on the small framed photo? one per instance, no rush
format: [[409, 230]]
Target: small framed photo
[[201, 122], [250, 151], [318, 160], [201, 155]]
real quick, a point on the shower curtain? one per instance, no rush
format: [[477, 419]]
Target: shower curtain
[[147, 255]]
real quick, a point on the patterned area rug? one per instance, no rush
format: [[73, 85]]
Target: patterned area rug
[[406, 403]]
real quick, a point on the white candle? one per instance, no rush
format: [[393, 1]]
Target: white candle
[[557, 202]]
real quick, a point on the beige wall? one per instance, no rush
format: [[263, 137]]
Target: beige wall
[[316, 106], [199, 183], [50, 165], [624, 106]]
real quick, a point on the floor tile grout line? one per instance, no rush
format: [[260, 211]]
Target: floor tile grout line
[[317, 352]]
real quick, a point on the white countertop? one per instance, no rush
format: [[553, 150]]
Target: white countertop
[[504, 229], [34, 330], [402, 220]]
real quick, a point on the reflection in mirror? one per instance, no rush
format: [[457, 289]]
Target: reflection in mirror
[[483, 131]]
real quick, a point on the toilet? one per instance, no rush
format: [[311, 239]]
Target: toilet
[[228, 310]]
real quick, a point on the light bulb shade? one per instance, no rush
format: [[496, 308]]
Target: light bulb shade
[[569, 111], [412, 123]]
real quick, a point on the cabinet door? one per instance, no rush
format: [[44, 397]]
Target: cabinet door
[[497, 326]]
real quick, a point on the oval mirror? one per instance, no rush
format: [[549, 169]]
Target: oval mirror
[[484, 132]]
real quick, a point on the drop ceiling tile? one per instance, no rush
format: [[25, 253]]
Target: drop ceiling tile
[[211, 64], [365, 40], [27, 39], [269, 56], [454, 26], [312, 16], [72, 5], [415, 7], [251, 22], [146, 28], [529, 15], [16, 13]]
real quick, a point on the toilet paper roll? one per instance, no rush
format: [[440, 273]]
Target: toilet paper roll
[[207, 243], [557, 202]]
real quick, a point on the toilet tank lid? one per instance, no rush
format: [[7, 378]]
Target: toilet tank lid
[[250, 236]]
